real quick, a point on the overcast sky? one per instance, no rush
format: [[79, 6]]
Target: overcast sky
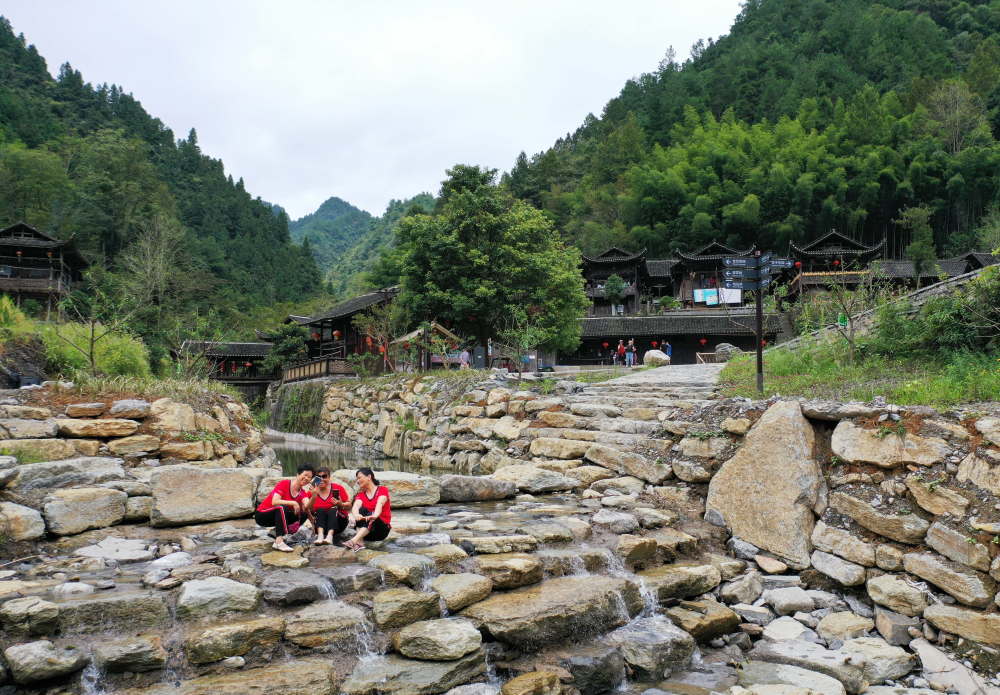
[[367, 101]]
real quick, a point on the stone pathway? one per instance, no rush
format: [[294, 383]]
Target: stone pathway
[[679, 375]]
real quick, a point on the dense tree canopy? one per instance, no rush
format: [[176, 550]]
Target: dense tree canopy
[[483, 257]]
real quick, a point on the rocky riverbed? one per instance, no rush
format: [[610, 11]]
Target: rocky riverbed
[[777, 547]]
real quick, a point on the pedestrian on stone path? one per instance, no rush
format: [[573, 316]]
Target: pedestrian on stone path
[[620, 352], [630, 353], [668, 350]]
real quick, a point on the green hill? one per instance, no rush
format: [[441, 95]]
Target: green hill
[[809, 114], [335, 227]]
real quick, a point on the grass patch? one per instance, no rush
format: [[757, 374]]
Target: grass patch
[[24, 454], [820, 370], [147, 387]]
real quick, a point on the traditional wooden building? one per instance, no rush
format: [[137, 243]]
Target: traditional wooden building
[[237, 364], [698, 277], [630, 267], [36, 266], [833, 257]]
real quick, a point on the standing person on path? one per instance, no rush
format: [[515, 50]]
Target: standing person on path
[[620, 352], [284, 508], [668, 350], [630, 353], [371, 513], [463, 359], [329, 503]]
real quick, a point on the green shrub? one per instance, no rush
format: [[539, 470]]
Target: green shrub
[[116, 354], [13, 321]]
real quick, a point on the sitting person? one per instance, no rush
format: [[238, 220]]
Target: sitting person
[[371, 512], [284, 508], [328, 506]]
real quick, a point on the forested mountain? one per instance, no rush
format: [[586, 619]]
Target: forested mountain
[[370, 263], [335, 227], [810, 114], [87, 162]]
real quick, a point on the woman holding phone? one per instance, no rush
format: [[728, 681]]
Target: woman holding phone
[[328, 506], [371, 512], [284, 508]]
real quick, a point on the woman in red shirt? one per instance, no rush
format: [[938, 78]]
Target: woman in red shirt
[[328, 506], [371, 512], [284, 508]]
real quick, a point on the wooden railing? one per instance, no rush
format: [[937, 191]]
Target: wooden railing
[[313, 369], [57, 284], [708, 357]]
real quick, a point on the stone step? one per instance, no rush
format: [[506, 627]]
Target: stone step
[[620, 439], [637, 402]]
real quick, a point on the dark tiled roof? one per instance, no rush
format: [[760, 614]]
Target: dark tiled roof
[[981, 260], [39, 240], [837, 244], [713, 252], [677, 323], [214, 349], [904, 268], [614, 255], [660, 268], [354, 305]]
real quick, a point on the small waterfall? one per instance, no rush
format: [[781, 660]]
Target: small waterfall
[[92, 680], [364, 637], [329, 593], [650, 603]]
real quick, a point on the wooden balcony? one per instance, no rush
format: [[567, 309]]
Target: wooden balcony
[[314, 369], [55, 285]]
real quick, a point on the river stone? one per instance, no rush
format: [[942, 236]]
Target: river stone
[[553, 448], [461, 590], [814, 658], [399, 607], [767, 492], [500, 544], [30, 616], [692, 472], [535, 682], [680, 580], [789, 600], [197, 450], [882, 661], [968, 586], [595, 668], [547, 531], [395, 675], [300, 676], [203, 597], [894, 627], [654, 646], [55, 475], [510, 570], [290, 587], [120, 550], [132, 408], [891, 591], [105, 427], [588, 475], [787, 627], [219, 642], [855, 444], [533, 479], [138, 508], [627, 463], [843, 626], [762, 673], [704, 618], [118, 612], [745, 589], [445, 556], [937, 499], [20, 523], [131, 654], [845, 544], [170, 417], [965, 622], [905, 528], [956, 546], [946, 674], [48, 449], [838, 569], [615, 522], [475, 488], [635, 550], [755, 615], [980, 473], [444, 639], [75, 510], [557, 609], [174, 505], [347, 579], [34, 662], [405, 568], [405, 489], [324, 622], [16, 428], [474, 689]]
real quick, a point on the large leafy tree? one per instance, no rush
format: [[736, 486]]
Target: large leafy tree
[[486, 256]]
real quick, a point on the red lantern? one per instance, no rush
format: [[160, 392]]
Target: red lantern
[[654, 343], [406, 346], [836, 261], [248, 364], [18, 252], [315, 336], [336, 335], [798, 264], [604, 345], [703, 341], [763, 343], [381, 349], [49, 254]]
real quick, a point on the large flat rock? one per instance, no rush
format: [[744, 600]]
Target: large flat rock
[[395, 675], [905, 528], [83, 470], [475, 488], [179, 495], [304, 676], [767, 492], [557, 609], [405, 489], [855, 444]]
